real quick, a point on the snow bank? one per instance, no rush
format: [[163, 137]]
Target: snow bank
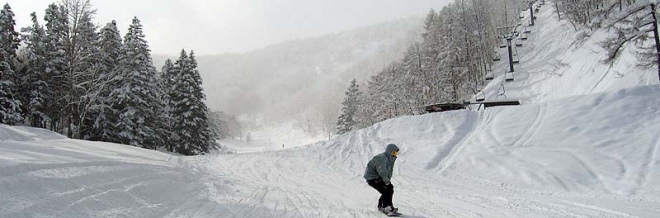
[[19, 133], [42, 174]]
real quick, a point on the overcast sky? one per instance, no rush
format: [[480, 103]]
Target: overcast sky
[[220, 26]]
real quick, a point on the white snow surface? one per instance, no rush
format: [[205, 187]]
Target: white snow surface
[[584, 144], [270, 138]]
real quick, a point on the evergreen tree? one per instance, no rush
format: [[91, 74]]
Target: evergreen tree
[[207, 138], [100, 117], [10, 111], [166, 83], [35, 83], [346, 122], [56, 37], [136, 99], [189, 112]]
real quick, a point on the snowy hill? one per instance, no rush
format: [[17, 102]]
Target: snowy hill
[[269, 80], [557, 61], [584, 144]]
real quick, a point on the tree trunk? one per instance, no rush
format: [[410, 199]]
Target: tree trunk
[[557, 8], [655, 37]]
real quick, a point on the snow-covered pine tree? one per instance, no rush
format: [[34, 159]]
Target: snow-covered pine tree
[[56, 37], [10, 107], [205, 132], [346, 121], [137, 97], [217, 125], [166, 82], [101, 117], [35, 79], [188, 108]]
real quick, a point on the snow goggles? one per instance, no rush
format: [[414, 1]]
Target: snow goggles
[[393, 153]]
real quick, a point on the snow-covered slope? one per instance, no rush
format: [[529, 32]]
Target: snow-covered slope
[[592, 156], [557, 61], [570, 151], [43, 174]]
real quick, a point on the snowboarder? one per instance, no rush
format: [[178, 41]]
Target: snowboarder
[[379, 174]]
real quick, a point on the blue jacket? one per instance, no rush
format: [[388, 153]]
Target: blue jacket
[[382, 165]]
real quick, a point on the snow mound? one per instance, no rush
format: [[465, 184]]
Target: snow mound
[[20, 133], [44, 174]]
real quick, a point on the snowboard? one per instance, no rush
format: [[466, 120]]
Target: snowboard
[[392, 214]]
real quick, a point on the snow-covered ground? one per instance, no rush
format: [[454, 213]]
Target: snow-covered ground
[[270, 138], [557, 61], [584, 144]]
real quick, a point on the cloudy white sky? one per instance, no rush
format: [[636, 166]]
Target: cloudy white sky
[[220, 26]]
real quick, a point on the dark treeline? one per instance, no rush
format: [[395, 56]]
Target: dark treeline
[[73, 78]]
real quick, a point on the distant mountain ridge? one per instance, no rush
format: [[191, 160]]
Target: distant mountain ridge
[[295, 79]]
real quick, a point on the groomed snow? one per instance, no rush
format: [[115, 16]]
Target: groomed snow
[[587, 148]]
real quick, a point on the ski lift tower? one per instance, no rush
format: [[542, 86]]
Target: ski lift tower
[[507, 32], [531, 11]]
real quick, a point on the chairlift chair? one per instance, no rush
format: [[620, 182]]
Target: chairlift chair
[[497, 57], [516, 59], [519, 43], [523, 37], [489, 75], [480, 98], [508, 77], [527, 31]]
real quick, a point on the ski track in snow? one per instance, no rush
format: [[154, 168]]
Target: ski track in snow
[[454, 144], [532, 129], [650, 161]]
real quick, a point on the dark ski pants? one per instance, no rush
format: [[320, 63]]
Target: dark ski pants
[[386, 191]]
